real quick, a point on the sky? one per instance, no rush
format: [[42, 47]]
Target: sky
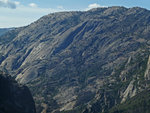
[[17, 13]]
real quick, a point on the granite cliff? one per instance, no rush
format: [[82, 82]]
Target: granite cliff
[[81, 62]]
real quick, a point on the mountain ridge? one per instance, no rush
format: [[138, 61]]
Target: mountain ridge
[[81, 62]]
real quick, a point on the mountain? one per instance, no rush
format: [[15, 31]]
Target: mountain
[[14, 98], [4, 30], [81, 62]]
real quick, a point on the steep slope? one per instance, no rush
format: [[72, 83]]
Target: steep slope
[[81, 62], [14, 98]]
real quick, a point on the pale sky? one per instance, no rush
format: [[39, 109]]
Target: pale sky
[[16, 13]]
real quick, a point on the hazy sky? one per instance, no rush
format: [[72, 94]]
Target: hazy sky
[[14, 13]]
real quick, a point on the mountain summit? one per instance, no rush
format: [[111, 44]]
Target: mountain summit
[[81, 62]]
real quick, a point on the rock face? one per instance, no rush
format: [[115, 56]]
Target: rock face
[[147, 72], [14, 98], [129, 92], [81, 62]]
